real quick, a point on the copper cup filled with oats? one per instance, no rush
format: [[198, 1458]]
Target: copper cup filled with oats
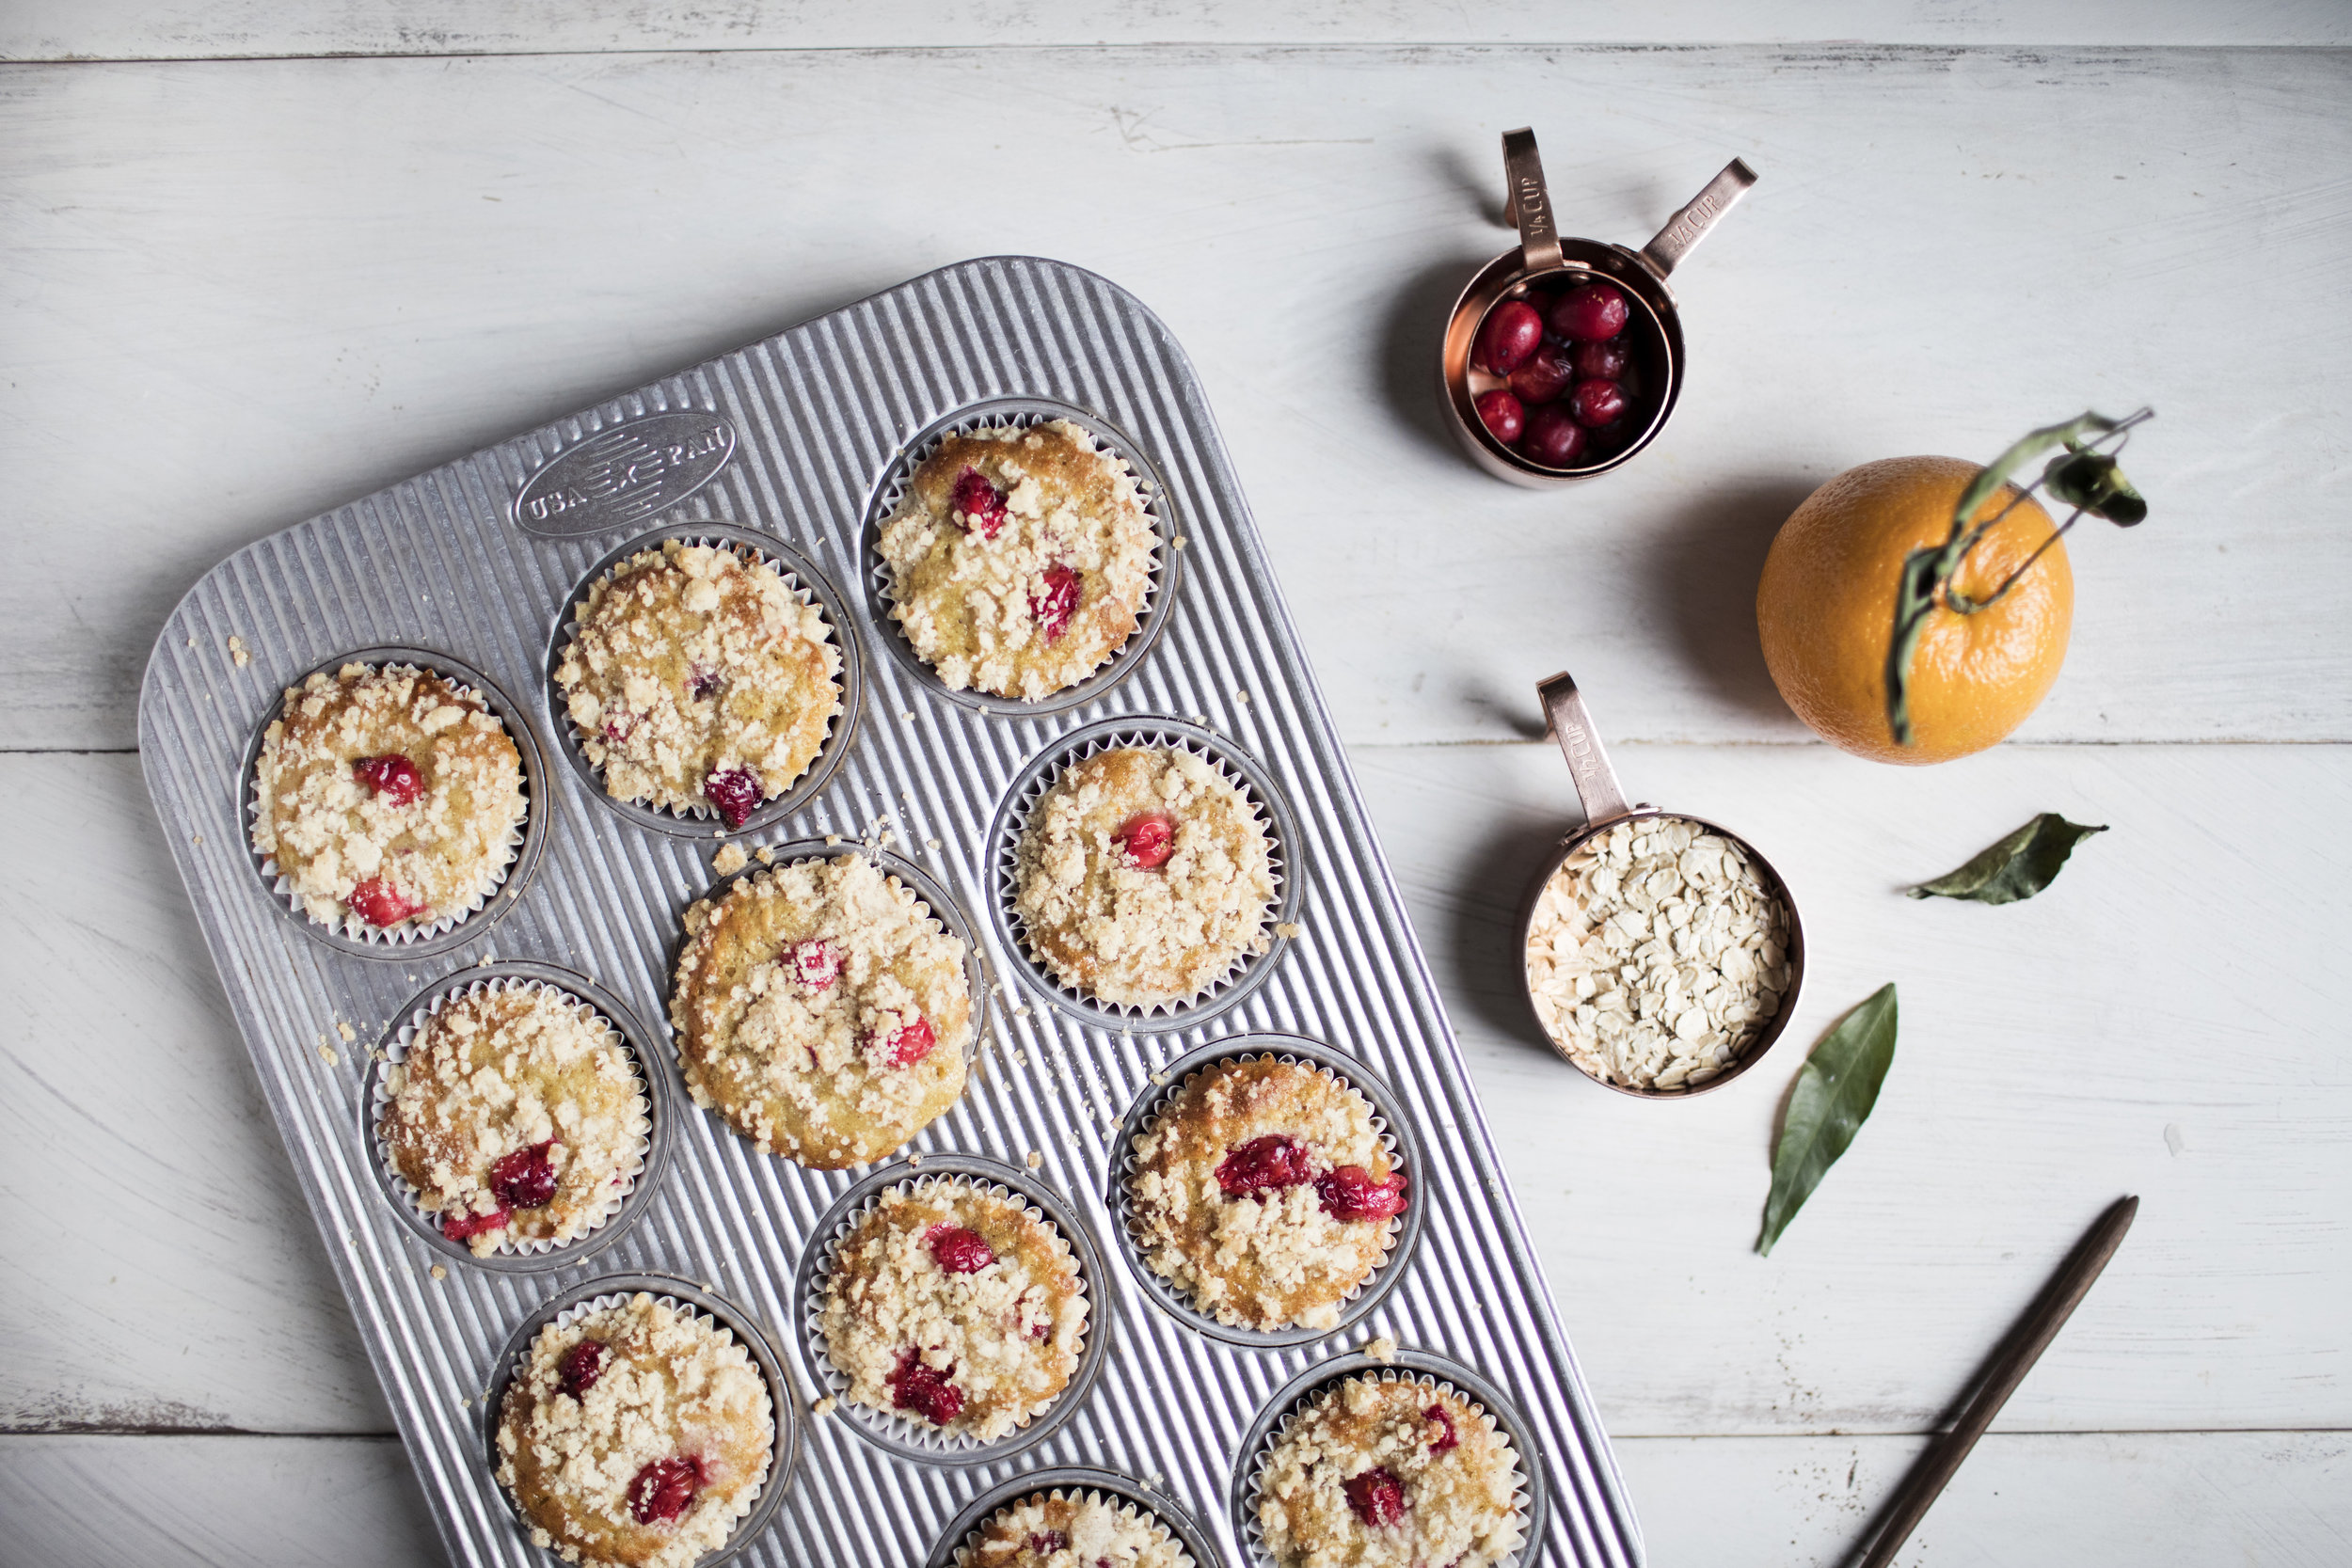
[[1663, 953]]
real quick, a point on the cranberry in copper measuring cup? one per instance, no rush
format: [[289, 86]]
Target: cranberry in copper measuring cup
[[1563, 357]]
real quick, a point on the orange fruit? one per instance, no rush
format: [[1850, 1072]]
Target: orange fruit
[[1825, 610]]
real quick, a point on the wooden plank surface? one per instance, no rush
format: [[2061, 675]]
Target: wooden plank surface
[[244, 292]]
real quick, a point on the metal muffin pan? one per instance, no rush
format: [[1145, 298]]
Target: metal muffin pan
[[794, 441]]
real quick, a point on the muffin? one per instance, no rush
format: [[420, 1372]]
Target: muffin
[[637, 1435], [517, 1115], [1060, 1529], [388, 798], [1263, 1193], [954, 1308], [1377, 1474], [1143, 876], [1020, 559], [820, 1009], [698, 680]]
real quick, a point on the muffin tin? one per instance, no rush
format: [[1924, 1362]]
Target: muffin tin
[[792, 445]]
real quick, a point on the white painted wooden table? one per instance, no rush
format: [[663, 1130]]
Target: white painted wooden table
[[263, 257]]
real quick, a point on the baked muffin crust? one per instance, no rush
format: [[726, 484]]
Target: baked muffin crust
[[1262, 1255], [389, 797], [1061, 1529], [1141, 934], [1021, 559], [1380, 1474], [945, 1286], [823, 1011], [643, 1454]]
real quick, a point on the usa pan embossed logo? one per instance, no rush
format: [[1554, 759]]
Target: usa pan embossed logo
[[625, 474]]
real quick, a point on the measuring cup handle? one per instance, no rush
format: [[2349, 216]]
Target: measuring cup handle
[[1688, 226], [1527, 204], [1580, 742]]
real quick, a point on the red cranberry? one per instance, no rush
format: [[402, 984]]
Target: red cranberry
[[616, 728], [1544, 377], [459, 1227], [1349, 1193], [1590, 313], [1276, 1159], [1507, 336], [393, 777], [378, 902], [1554, 439], [1058, 602], [1595, 404], [664, 1490], [1502, 415], [959, 1250], [580, 1367], [1045, 1544], [1447, 1436], [910, 1045], [1601, 361], [1145, 841], [980, 505], [700, 683], [816, 963], [1377, 1497], [735, 792], [925, 1390], [525, 1178]]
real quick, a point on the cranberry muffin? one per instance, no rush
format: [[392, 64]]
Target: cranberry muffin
[[1143, 876], [1265, 1194], [954, 1308], [1020, 559], [517, 1115], [1381, 1473], [698, 680], [389, 797], [637, 1435], [1062, 1529], [821, 1009]]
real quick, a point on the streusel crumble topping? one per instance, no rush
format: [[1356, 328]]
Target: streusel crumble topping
[[699, 680], [1021, 559], [821, 1008], [388, 797], [1381, 1473], [954, 1308], [1060, 1529], [1143, 876], [638, 1435], [1263, 1192], [516, 1114]]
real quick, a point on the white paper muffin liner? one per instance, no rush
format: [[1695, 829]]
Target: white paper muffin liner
[[967, 1553], [1356, 1301], [806, 586], [380, 1100], [408, 932], [1506, 1426], [519, 1366], [921, 1439], [1159, 584], [1247, 968]]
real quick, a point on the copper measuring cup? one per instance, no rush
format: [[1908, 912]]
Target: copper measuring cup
[[1654, 327], [1605, 806]]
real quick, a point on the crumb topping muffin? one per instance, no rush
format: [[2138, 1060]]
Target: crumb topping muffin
[[389, 797], [637, 1435], [823, 1011], [1021, 559], [698, 680], [953, 1307], [1263, 1192], [516, 1114], [1380, 1474], [1056, 1530], [1143, 876]]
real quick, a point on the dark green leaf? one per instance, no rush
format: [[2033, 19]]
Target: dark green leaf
[[2091, 481], [1914, 600], [1835, 1089], [2018, 867]]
